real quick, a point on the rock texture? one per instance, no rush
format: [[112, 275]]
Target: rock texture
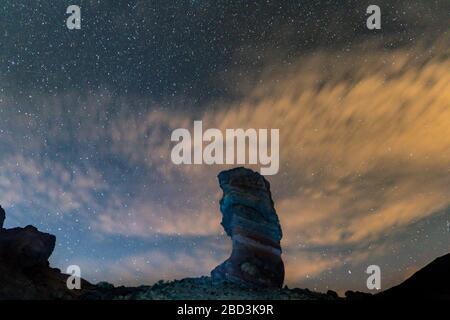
[[249, 218], [24, 269], [201, 289], [23, 248]]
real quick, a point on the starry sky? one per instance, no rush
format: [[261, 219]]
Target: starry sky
[[364, 118]]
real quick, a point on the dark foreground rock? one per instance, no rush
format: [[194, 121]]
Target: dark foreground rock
[[24, 269], [24, 248], [430, 282], [249, 218]]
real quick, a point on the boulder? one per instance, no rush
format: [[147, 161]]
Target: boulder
[[250, 219], [24, 248], [24, 269]]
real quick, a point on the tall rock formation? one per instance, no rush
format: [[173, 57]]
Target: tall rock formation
[[249, 218]]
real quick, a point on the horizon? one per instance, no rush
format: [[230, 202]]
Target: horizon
[[86, 118]]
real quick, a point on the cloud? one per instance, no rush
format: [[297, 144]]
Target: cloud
[[364, 154], [364, 145], [45, 185], [364, 139], [146, 218]]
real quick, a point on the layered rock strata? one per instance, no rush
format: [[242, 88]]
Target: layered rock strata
[[249, 218]]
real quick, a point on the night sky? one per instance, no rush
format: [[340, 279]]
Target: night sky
[[364, 118]]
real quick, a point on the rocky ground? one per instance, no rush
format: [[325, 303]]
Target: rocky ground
[[201, 289]]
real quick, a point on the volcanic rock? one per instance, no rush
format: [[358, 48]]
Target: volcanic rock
[[201, 288], [249, 218], [24, 269], [27, 247]]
